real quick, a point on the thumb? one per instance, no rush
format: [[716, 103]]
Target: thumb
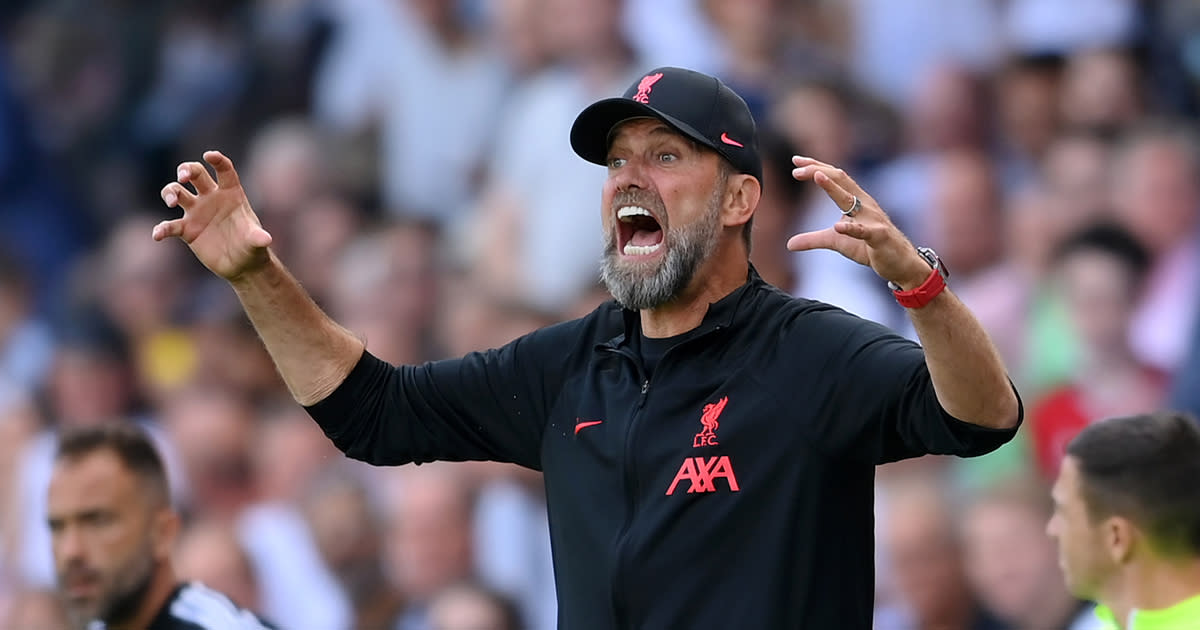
[[820, 239], [259, 237]]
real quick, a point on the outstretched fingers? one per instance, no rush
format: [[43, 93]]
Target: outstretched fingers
[[807, 168], [227, 176], [842, 197], [197, 175], [176, 194]]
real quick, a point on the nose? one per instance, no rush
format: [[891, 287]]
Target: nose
[[630, 176], [69, 544]]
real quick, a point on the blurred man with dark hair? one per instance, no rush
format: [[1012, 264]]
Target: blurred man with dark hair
[[113, 530], [1127, 520]]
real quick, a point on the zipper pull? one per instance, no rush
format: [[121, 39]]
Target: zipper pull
[[645, 386]]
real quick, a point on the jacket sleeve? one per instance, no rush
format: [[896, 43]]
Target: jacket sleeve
[[880, 402], [484, 406]]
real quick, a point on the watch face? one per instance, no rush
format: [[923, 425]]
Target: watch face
[[934, 261]]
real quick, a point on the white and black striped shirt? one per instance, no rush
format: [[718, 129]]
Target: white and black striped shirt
[[194, 606]]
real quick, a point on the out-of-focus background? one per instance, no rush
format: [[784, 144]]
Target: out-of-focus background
[[411, 159]]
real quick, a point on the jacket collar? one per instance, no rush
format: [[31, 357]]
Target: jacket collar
[[720, 314]]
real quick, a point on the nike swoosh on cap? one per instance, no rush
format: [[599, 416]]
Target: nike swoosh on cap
[[727, 140]]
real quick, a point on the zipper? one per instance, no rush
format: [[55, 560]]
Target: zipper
[[620, 606]]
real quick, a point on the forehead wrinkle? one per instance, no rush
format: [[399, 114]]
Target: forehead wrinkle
[[663, 130], [658, 130]]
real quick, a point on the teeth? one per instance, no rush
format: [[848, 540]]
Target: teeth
[[641, 250], [633, 211]]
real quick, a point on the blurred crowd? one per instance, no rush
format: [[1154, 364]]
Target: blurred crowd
[[411, 160]]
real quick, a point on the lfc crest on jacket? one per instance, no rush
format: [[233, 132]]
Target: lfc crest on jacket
[[702, 472]]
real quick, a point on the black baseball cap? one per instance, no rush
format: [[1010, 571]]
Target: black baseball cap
[[696, 105]]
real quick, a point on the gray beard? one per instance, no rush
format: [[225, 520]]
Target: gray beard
[[637, 286]]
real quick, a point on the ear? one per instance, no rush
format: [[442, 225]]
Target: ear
[[742, 193], [163, 531], [1120, 536]]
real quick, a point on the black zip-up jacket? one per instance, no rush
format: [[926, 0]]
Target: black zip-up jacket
[[731, 489]]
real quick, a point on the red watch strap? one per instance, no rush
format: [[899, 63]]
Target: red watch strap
[[922, 295]]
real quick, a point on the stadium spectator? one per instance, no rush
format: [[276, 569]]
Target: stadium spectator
[[1027, 115], [347, 526], [298, 587], [429, 543], [217, 426], [1100, 91], [925, 557], [433, 112], [473, 607], [1156, 196], [1100, 273], [1077, 172], [1010, 563], [210, 552]]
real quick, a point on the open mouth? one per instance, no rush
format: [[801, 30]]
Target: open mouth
[[638, 232]]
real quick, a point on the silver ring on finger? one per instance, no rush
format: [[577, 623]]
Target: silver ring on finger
[[854, 207]]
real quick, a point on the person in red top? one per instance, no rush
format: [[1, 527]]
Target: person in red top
[[1099, 270]]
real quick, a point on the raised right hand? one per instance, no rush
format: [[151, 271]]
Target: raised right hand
[[218, 223]]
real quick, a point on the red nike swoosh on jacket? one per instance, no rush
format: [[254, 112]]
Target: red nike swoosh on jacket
[[584, 425]]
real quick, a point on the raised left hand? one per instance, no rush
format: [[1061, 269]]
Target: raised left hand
[[867, 237]]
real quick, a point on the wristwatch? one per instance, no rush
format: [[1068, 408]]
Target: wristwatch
[[931, 288]]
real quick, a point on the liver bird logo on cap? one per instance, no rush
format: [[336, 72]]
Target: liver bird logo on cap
[[647, 84]]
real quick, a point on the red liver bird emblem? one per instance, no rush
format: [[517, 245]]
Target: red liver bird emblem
[[708, 435], [644, 87]]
